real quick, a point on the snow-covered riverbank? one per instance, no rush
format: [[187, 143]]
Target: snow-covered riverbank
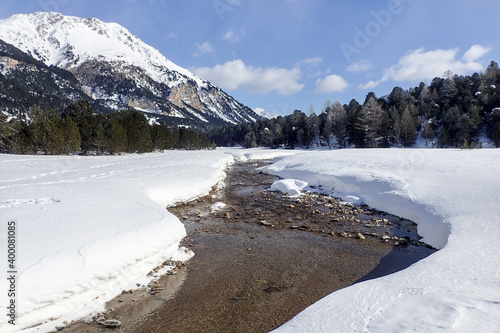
[[454, 196], [90, 227]]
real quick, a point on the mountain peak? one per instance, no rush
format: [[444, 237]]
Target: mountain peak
[[68, 41], [95, 51]]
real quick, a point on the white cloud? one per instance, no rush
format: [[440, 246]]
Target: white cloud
[[475, 52], [331, 83], [312, 61], [203, 48], [418, 65], [421, 65], [234, 36], [360, 66], [256, 80], [369, 85]]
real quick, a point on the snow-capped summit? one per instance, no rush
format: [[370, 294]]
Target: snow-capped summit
[[94, 50], [69, 41]]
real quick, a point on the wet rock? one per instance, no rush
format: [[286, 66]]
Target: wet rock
[[267, 224], [110, 323], [403, 241], [155, 287]]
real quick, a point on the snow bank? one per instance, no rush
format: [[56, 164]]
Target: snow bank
[[244, 155], [90, 227], [288, 186], [453, 196]]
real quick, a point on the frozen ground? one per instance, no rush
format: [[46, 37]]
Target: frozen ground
[[89, 227], [454, 196]]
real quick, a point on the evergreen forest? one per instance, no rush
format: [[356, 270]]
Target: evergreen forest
[[454, 111], [77, 129]]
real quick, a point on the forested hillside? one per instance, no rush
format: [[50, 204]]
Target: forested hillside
[[79, 130], [454, 111]]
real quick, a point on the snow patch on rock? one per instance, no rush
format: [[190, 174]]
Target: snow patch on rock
[[288, 186]]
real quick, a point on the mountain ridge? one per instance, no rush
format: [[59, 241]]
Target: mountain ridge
[[118, 70]]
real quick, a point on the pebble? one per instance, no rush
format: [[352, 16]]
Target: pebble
[[110, 323]]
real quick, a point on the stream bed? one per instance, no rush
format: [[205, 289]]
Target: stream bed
[[263, 258]]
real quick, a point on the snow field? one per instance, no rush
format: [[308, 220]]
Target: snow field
[[90, 227], [453, 196]]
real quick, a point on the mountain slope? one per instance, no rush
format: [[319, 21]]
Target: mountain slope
[[25, 82], [118, 70]]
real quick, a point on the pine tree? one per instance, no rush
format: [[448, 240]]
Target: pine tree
[[45, 131], [327, 126], [71, 136], [397, 98], [204, 141], [137, 130], [116, 136], [339, 123], [356, 133], [250, 140], [448, 92], [373, 115], [492, 72], [312, 130], [408, 134]]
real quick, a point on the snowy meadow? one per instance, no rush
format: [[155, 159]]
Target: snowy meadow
[[90, 227]]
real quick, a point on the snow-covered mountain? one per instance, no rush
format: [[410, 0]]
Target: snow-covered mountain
[[118, 70]]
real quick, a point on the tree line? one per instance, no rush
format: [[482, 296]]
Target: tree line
[[79, 130], [453, 111]]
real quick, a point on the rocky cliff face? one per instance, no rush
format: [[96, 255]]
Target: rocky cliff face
[[186, 94], [117, 70]]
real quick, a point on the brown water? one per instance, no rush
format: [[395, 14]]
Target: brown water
[[263, 259]]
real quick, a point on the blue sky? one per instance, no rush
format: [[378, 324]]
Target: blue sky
[[282, 55]]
